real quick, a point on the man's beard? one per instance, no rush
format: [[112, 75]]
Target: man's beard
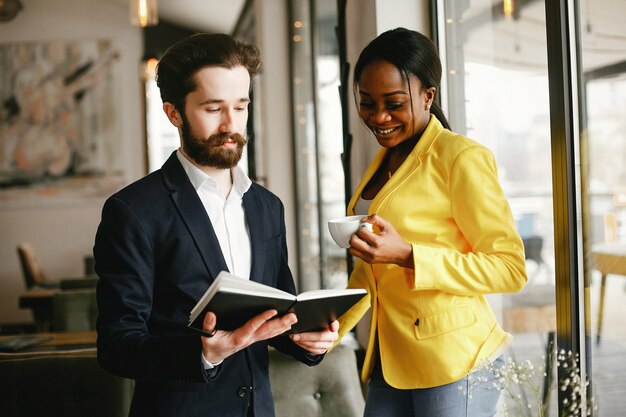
[[209, 152]]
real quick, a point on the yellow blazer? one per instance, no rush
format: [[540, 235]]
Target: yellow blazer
[[433, 322]]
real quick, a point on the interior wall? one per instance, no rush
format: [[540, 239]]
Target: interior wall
[[64, 232]]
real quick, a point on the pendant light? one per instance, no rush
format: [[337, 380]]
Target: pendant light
[[143, 13], [508, 8]]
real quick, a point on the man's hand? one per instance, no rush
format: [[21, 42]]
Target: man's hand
[[318, 343], [223, 344]]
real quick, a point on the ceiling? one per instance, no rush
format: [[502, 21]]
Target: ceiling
[[521, 43], [518, 43], [200, 15]]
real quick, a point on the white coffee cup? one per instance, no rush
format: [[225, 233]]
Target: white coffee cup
[[342, 228]]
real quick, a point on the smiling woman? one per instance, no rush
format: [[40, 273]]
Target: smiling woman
[[395, 108], [443, 238]]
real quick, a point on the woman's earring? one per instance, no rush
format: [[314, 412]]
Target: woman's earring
[[426, 107]]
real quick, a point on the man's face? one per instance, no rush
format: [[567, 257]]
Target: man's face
[[215, 117]]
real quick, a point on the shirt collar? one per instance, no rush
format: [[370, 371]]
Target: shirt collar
[[241, 182]]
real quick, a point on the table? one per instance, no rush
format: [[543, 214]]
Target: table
[[60, 344], [609, 260]]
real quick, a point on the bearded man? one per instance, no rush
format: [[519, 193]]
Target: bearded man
[[163, 239]]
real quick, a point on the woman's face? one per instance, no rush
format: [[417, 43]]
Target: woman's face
[[385, 103]]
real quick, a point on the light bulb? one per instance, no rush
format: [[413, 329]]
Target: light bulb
[[143, 13]]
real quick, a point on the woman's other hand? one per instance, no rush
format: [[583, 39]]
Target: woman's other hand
[[318, 343], [384, 245]]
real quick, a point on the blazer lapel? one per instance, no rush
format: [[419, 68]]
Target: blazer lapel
[[254, 216], [411, 163], [194, 215]]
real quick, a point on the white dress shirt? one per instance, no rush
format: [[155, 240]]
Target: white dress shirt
[[227, 217], [226, 214]]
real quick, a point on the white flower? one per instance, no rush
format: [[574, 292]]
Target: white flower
[[518, 383]]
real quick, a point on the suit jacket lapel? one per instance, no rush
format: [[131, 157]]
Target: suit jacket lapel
[[194, 215], [254, 216]]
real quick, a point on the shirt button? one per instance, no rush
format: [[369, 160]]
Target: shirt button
[[242, 392]]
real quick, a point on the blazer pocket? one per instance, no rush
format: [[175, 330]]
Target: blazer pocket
[[441, 322]]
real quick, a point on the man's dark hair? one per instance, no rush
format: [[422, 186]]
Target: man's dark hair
[[179, 64]]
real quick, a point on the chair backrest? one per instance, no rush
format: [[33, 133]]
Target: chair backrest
[[31, 269], [533, 246], [330, 389]]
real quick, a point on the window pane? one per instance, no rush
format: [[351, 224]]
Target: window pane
[[318, 142], [604, 155], [330, 142], [162, 136], [497, 94]]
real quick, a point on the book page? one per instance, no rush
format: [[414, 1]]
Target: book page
[[229, 283], [329, 292], [262, 292], [235, 301]]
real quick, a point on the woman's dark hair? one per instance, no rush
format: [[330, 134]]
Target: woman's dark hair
[[410, 52], [179, 64]]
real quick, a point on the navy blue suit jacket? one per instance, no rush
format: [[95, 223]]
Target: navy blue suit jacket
[[156, 254]]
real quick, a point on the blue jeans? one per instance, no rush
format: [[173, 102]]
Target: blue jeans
[[473, 396]]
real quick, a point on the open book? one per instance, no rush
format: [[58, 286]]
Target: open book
[[235, 301]]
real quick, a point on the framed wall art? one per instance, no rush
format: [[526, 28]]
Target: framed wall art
[[59, 127]]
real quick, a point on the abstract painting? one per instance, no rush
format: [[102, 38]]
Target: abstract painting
[[59, 129]]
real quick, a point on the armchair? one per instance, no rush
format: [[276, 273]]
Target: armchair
[[31, 268], [74, 311], [330, 389]]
